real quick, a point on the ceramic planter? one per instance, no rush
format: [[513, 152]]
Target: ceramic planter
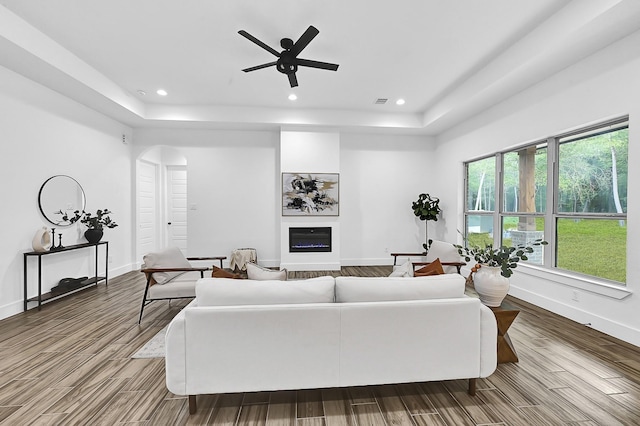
[[490, 285], [93, 235]]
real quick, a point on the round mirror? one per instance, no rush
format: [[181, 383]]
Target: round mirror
[[60, 193]]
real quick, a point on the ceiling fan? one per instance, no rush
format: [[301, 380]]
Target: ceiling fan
[[288, 61]]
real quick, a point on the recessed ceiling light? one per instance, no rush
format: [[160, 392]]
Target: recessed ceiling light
[[161, 92], [141, 92], [293, 97], [400, 102]]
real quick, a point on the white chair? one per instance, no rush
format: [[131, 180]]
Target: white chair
[[446, 252], [448, 255], [171, 276]]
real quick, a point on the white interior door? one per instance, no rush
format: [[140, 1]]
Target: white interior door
[[147, 208], [177, 207]]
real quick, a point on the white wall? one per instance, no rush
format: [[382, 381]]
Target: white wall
[[313, 152], [381, 175], [44, 134], [602, 86], [234, 178]]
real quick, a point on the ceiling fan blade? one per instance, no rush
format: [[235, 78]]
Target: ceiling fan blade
[[293, 81], [304, 40], [246, 35], [259, 67], [316, 64]]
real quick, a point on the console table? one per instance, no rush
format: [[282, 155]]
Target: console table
[[43, 297]]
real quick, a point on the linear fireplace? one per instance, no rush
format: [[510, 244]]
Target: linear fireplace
[[309, 240]]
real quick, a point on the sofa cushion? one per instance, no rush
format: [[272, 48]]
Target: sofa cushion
[[221, 273], [433, 268], [184, 285], [378, 289], [257, 272], [171, 257], [230, 292]]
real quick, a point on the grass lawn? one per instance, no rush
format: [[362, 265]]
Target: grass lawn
[[590, 246], [594, 247]]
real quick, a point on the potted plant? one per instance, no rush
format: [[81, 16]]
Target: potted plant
[[493, 268], [426, 208], [94, 224]]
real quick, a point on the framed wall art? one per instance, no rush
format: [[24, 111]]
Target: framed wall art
[[310, 194]]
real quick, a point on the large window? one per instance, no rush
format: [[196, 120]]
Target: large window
[[570, 190], [480, 200]]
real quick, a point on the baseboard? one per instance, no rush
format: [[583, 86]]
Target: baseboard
[[604, 325], [121, 270], [11, 309], [374, 261], [16, 307]]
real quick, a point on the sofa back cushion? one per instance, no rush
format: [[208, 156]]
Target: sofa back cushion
[[230, 292], [171, 257], [379, 289]]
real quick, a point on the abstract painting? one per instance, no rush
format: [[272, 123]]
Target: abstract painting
[[310, 194]]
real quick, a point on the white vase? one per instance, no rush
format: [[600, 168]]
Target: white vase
[[42, 240], [490, 285]]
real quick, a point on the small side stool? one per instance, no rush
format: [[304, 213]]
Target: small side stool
[[240, 257], [505, 315]]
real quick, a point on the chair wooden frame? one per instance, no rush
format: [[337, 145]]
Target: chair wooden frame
[[395, 256], [458, 265], [148, 272]]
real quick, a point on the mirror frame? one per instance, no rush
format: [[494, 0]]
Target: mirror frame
[[55, 220]]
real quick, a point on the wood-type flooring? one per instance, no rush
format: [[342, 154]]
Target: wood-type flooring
[[70, 364]]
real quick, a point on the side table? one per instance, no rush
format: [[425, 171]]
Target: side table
[[505, 315], [240, 257]]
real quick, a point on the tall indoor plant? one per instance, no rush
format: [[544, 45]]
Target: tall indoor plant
[[426, 208], [95, 224], [494, 266]]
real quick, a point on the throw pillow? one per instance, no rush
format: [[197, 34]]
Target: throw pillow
[[434, 268], [404, 270], [257, 272], [221, 273]]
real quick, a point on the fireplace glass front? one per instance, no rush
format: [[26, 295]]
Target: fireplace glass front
[[310, 240]]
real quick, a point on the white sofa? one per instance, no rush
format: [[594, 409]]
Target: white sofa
[[246, 335]]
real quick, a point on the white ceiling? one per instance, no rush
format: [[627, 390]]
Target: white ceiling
[[448, 59]]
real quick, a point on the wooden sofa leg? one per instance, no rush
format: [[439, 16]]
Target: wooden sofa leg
[[472, 387], [192, 404]]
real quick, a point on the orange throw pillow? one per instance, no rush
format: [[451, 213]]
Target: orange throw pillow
[[434, 268], [221, 273]]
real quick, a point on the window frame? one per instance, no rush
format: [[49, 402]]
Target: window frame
[[551, 215]]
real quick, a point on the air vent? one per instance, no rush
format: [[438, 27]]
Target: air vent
[[381, 101]]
